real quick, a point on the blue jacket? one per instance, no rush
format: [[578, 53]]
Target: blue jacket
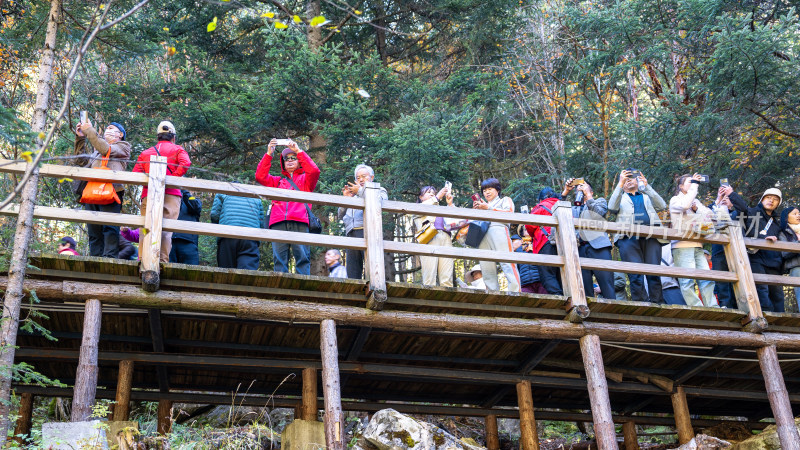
[[528, 273], [190, 211], [237, 211]]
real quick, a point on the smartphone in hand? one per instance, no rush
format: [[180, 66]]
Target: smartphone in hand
[[283, 141], [84, 117]]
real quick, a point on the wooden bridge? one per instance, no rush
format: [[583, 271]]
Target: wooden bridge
[[164, 332]]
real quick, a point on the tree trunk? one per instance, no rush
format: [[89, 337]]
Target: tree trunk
[[22, 236]]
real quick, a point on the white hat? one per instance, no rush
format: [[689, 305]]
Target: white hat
[[166, 127], [772, 191], [468, 277]]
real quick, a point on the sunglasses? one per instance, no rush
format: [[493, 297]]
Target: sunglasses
[[290, 158]]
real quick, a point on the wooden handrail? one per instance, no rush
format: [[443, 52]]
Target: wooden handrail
[[467, 213]]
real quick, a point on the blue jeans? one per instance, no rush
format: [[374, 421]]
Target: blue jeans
[[694, 258], [280, 250], [184, 252]]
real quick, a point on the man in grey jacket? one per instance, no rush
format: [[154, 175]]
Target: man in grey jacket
[[591, 244], [354, 218], [634, 201]]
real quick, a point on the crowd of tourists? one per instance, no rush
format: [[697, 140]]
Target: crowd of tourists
[[633, 201]]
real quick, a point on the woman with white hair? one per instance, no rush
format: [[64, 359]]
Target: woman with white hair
[[354, 218]]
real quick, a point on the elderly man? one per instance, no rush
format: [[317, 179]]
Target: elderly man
[[634, 201], [354, 218], [333, 259], [103, 239], [591, 244]]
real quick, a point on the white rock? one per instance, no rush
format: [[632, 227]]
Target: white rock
[[390, 430], [72, 435]]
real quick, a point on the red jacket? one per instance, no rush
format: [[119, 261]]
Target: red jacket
[[178, 162], [539, 235], [305, 177]]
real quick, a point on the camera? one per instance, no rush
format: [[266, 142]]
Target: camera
[[476, 197], [704, 179], [577, 182], [524, 209], [448, 186], [634, 173]]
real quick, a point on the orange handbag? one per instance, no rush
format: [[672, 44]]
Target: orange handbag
[[100, 192]]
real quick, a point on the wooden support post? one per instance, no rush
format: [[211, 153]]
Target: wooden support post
[[164, 418], [298, 410], [122, 407], [373, 233], [308, 408], [592, 354], [334, 419], [778, 397], [25, 414], [529, 437], [492, 435], [682, 420], [745, 288], [150, 237], [571, 276], [631, 441], [86, 377]]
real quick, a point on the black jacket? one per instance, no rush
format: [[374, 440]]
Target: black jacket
[[190, 211], [755, 220]]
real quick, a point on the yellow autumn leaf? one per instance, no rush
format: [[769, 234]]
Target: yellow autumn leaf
[[68, 180], [191, 198], [41, 135], [357, 12], [280, 25], [318, 21], [297, 19], [171, 51], [166, 28], [268, 15], [212, 25], [27, 156]]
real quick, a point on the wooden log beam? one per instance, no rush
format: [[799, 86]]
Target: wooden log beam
[[150, 237], [592, 354], [373, 234], [745, 287], [334, 419], [683, 421], [631, 440], [778, 398], [529, 437], [164, 416], [492, 435], [122, 406], [24, 420], [258, 308], [308, 407], [571, 277], [86, 377]]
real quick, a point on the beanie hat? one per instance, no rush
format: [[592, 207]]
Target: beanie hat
[[120, 128], [785, 216], [772, 191], [546, 193], [70, 241], [166, 127]]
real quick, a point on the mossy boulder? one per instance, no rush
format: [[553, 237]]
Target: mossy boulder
[[766, 440]]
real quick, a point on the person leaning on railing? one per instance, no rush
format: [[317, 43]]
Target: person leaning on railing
[[763, 222], [634, 201], [178, 163], [103, 239], [435, 265], [790, 232], [496, 237], [591, 244], [298, 172], [353, 219], [689, 216]]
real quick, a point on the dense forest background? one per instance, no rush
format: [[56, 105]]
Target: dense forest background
[[529, 91]]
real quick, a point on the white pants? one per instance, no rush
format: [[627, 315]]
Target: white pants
[[497, 239], [433, 265], [693, 258]]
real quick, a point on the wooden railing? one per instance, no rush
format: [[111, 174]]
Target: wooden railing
[[375, 246]]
